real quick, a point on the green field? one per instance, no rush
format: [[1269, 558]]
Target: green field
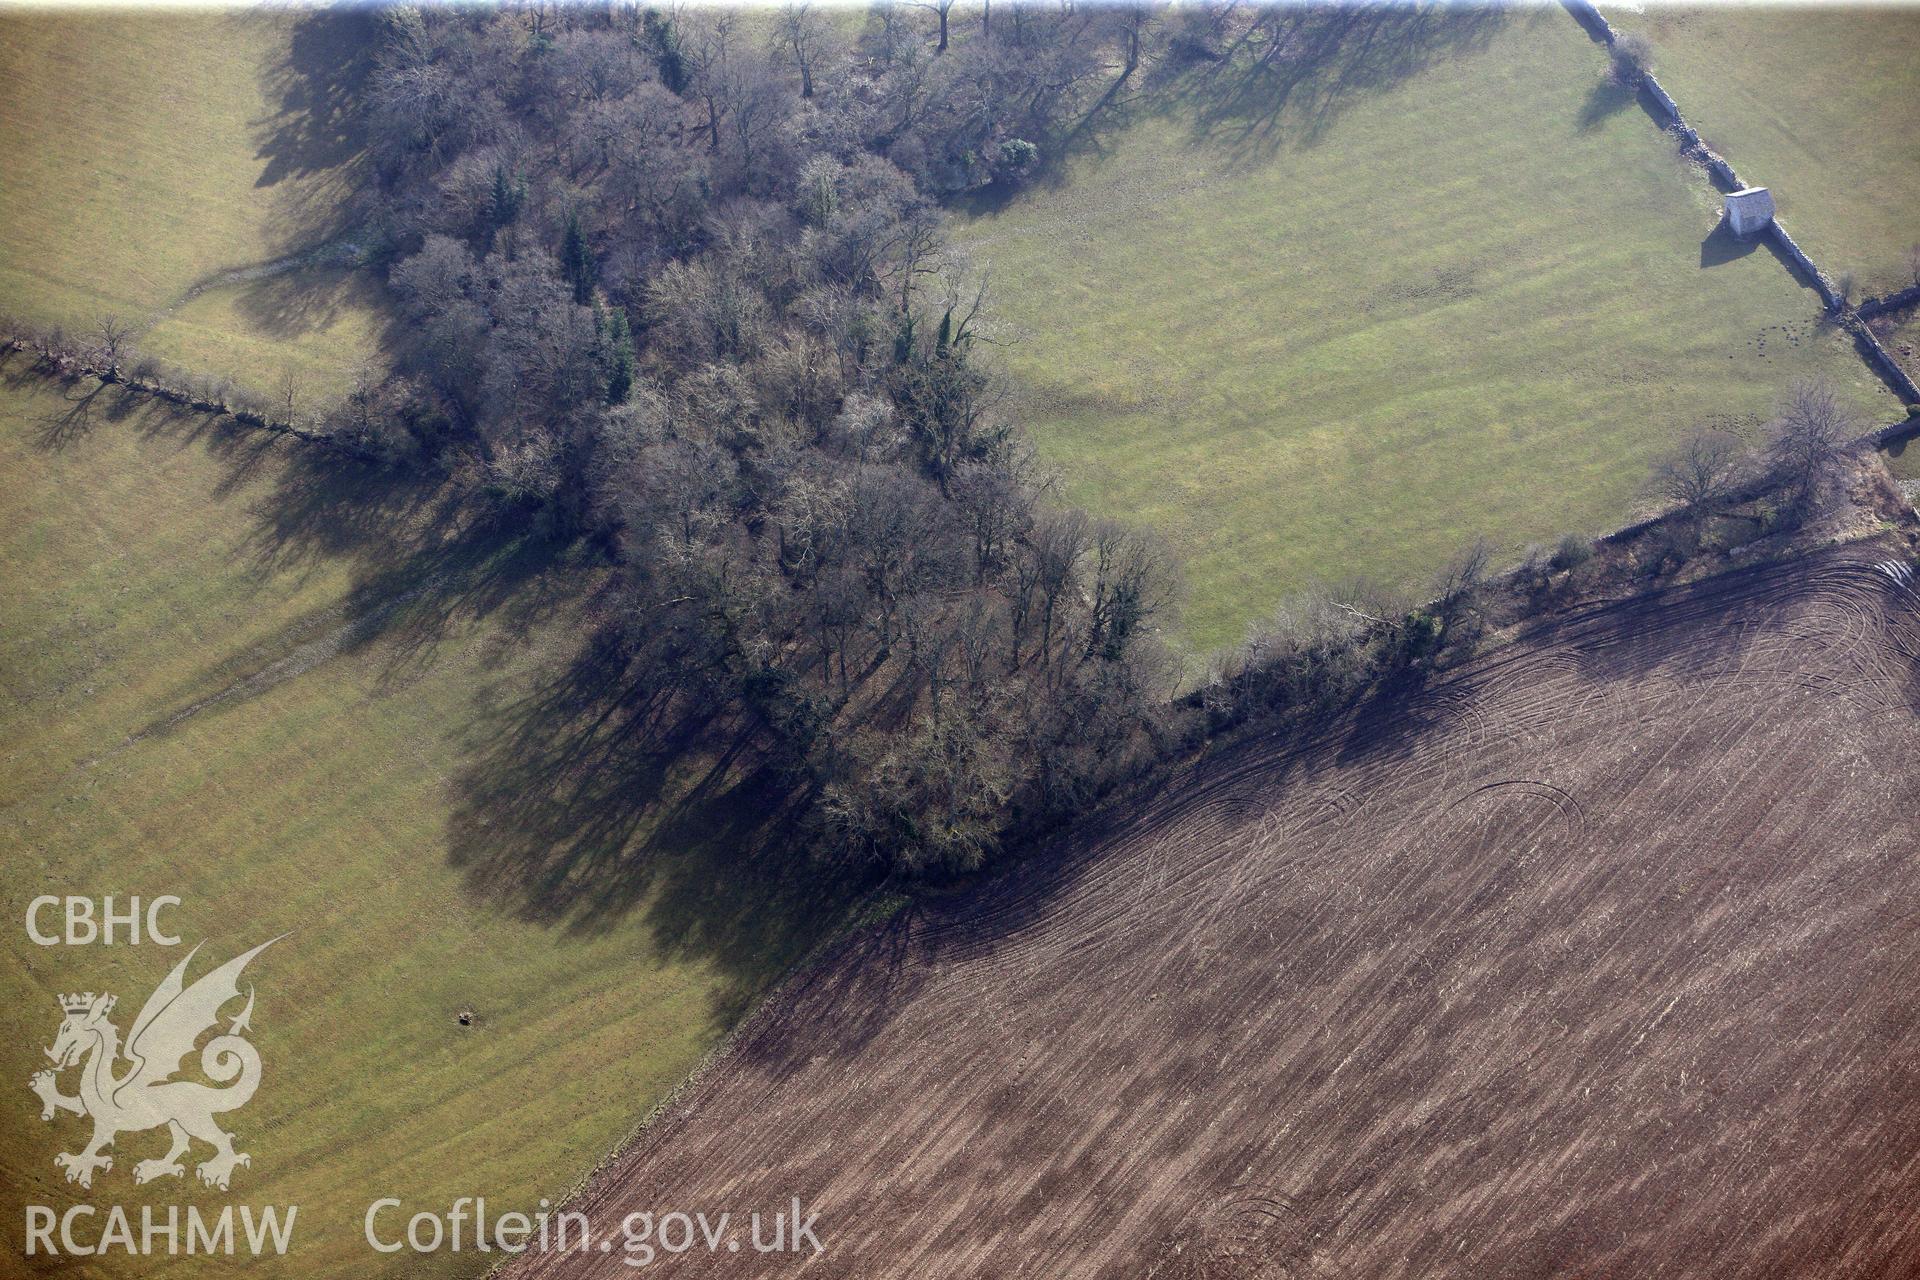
[[140, 159], [1903, 459], [1816, 104], [1900, 334], [1449, 286], [310, 702]]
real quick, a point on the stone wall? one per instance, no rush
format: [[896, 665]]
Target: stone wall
[[1890, 302], [1666, 112], [1829, 295], [1880, 359]]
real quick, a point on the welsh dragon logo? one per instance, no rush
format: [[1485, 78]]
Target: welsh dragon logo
[[144, 1094]]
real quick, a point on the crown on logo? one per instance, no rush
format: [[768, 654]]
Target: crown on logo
[[82, 1003]]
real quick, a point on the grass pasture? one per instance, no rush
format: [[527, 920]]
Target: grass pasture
[[143, 158], [362, 722], [1438, 285], [1817, 104], [1903, 459], [335, 310]]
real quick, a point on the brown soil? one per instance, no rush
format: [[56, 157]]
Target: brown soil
[[1598, 958]]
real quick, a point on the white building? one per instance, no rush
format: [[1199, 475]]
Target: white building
[[1749, 210]]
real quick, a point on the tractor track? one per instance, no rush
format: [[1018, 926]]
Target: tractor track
[[1594, 958]]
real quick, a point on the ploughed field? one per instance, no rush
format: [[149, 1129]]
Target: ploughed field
[[1595, 958]]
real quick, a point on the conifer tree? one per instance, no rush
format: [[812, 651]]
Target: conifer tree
[[576, 260]]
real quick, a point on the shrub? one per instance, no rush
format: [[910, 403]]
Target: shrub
[[1536, 566], [1419, 636], [1632, 59], [1672, 542], [1574, 550]]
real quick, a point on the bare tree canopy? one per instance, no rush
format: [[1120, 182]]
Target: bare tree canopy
[[1698, 475], [685, 288], [1812, 427]]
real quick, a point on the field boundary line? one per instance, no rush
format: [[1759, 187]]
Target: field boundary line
[[343, 251], [1721, 171], [69, 364], [871, 909]]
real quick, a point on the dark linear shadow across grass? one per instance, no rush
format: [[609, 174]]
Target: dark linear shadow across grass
[[1283, 84]]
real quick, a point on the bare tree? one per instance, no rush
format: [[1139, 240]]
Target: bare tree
[[916, 245], [1130, 25], [1808, 436], [995, 500], [1697, 476], [756, 101], [800, 34], [289, 395], [942, 8], [1134, 580], [707, 45], [1044, 572], [113, 338], [1631, 60], [1458, 587]]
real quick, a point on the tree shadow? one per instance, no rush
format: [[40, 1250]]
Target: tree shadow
[[295, 303], [74, 420], [85, 400], [1605, 100], [1308, 65], [426, 564], [596, 797], [1284, 82], [585, 798], [310, 144]]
